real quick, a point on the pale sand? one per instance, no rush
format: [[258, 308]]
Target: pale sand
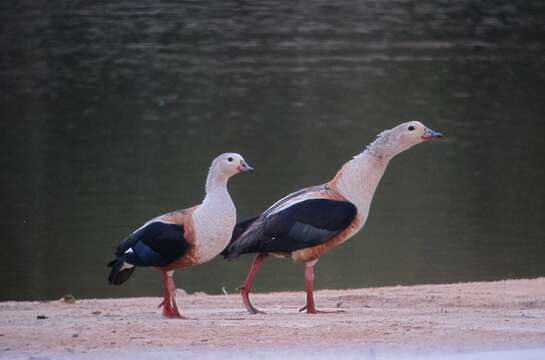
[[424, 319]]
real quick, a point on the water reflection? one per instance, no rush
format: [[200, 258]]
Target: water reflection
[[113, 111]]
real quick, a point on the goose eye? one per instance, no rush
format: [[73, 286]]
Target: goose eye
[[411, 128], [229, 159]]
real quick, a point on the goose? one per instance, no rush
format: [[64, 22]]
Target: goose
[[307, 223], [183, 238]]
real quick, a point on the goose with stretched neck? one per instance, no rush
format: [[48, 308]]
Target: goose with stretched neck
[[183, 238], [306, 224]]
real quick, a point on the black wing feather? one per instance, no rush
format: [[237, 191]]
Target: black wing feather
[[302, 225], [156, 244], [238, 230]]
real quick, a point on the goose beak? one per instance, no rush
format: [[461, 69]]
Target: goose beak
[[429, 134], [244, 167]]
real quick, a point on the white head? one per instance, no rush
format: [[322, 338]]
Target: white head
[[229, 164], [391, 142]]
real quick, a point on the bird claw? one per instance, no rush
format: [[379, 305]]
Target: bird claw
[[246, 299], [254, 311], [173, 315]]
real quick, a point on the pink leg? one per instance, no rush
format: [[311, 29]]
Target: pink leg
[[310, 307], [170, 309], [247, 286]]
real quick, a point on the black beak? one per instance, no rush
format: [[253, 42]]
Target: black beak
[[429, 134]]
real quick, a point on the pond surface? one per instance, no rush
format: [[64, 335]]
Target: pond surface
[[111, 114]]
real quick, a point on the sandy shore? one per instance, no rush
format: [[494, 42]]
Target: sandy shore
[[427, 319]]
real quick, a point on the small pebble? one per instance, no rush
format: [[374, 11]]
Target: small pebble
[[96, 312], [69, 299], [75, 335]]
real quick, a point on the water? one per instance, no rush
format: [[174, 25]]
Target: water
[[112, 112]]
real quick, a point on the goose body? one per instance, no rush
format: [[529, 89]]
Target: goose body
[[306, 224], [183, 238]]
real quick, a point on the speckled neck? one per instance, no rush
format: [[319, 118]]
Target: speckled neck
[[382, 148]]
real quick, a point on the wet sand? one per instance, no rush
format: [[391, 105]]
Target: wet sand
[[376, 322]]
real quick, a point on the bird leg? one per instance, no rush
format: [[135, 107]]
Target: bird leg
[[310, 307], [247, 286], [170, 309]]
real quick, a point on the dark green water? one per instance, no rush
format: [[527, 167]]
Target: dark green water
[[112, 112]]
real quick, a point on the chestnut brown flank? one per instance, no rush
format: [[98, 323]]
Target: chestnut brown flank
[[182, 217]]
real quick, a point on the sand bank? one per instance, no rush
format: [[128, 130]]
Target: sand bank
[[377, 322]]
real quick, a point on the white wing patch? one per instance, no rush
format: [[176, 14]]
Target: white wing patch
[[305, 196], [126, 266]]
